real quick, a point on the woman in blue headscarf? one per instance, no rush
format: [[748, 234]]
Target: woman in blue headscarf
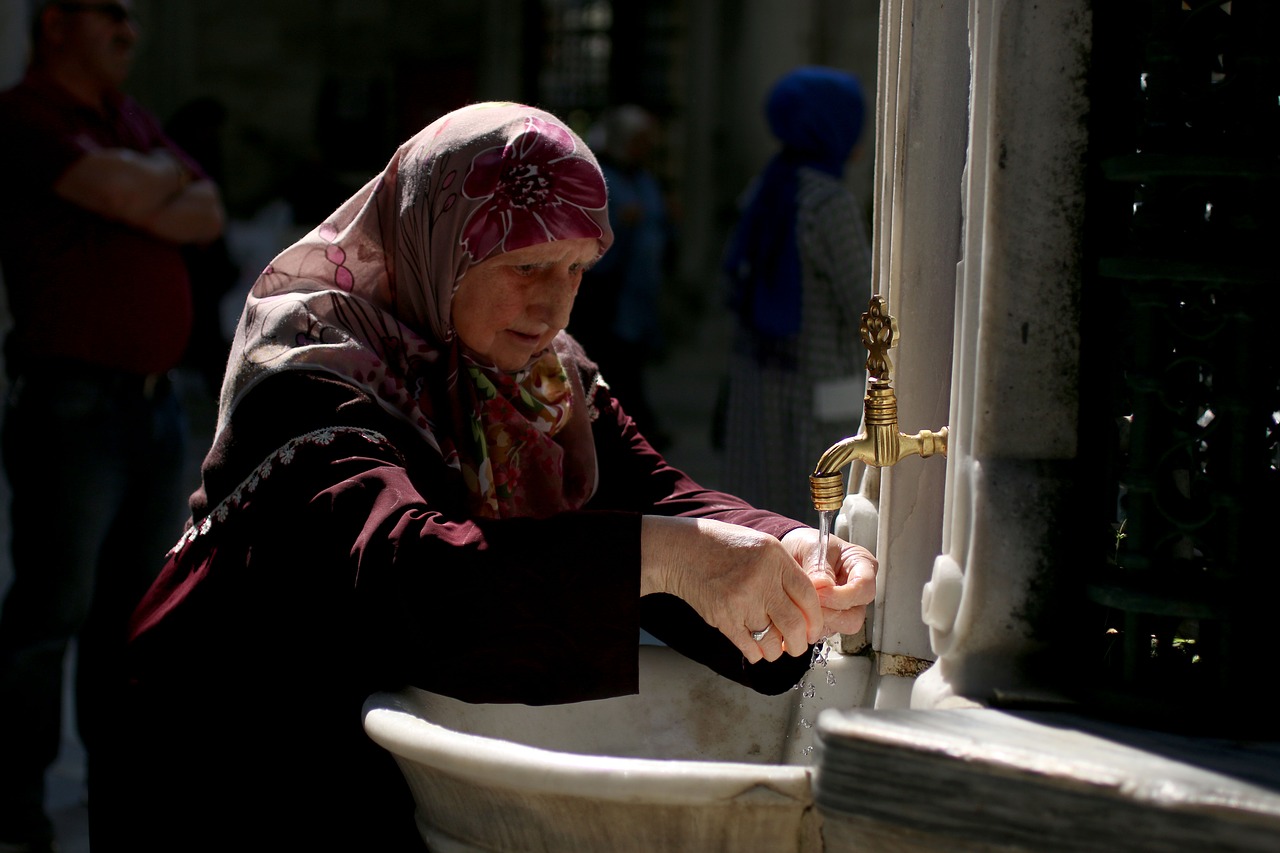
[[799, 276]]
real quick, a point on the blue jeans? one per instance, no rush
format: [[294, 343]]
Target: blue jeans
[[96, 462]]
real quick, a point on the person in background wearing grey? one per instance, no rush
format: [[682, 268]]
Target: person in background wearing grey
[[95, 208], [799, 273]]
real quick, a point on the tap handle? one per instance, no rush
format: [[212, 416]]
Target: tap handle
[[879, 332]]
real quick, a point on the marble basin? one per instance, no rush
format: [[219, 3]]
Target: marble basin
[[693, 762]]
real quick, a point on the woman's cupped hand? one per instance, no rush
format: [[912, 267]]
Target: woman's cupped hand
[[743, 582], [844, 578]]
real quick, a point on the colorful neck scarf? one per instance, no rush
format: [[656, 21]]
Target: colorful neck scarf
[[366, 296], [816, 113]]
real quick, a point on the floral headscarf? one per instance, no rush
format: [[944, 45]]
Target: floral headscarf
[[367, 294]]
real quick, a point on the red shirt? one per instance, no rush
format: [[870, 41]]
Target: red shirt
[[81, 286]]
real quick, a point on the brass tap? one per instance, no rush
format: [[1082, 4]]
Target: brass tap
[[879, 444]]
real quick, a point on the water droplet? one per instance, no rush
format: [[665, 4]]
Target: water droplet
[[831, 677]]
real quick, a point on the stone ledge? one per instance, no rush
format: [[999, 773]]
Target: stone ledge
[[982, 779]]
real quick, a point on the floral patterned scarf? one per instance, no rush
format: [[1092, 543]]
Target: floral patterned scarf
[[366, 296]]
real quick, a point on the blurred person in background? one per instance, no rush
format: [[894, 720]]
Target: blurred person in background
[[196, 126], [799, 277], [618, 316], [95, 209]]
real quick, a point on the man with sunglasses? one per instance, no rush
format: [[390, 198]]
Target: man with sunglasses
[[96, 204]]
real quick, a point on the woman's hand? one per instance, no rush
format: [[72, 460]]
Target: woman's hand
[[845, 580], [739, 580]]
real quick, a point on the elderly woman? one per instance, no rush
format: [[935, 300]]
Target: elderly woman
[[418, 478]]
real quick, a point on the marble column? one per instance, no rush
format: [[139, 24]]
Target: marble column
[[1015, 377]]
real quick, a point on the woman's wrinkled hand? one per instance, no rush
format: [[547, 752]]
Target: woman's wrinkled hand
[[738, 580], [845, 581]]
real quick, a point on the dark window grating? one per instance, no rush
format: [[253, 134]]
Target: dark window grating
[[1179, 396]]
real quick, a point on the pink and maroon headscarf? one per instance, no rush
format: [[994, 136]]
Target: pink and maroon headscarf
[[366, 296]]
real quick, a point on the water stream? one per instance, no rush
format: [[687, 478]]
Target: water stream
[[821, 652], [824, 534]]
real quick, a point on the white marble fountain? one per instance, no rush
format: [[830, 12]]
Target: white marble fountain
[[692, 762]]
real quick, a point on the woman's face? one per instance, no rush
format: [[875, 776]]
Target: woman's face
[[509, 307]]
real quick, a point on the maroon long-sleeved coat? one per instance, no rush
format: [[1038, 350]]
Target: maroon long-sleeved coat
[[332, 557]]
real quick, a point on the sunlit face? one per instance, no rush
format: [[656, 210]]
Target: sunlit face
[[506, 309]]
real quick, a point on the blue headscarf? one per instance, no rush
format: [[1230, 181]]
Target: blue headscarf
[[816, 113]]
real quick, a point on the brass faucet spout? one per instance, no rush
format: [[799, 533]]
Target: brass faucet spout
[[880, 444], [860, 447], [882, 448]]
